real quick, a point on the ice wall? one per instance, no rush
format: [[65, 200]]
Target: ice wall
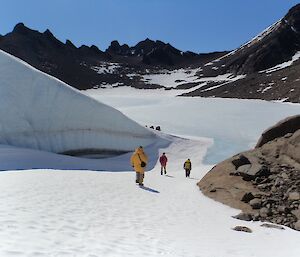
[[40, 112]]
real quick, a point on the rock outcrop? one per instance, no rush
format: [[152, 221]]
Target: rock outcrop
[[270, 62], [289, 125], [264, 182]]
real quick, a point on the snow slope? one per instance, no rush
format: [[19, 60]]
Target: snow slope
[[55, 213], [40, 112], [172, 78], [93, 214], [15, 158]]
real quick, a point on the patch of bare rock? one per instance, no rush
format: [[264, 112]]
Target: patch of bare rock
[[264, 182]]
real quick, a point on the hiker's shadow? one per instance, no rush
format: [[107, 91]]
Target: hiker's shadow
[[169, 176], [195, 178], [149, 189]]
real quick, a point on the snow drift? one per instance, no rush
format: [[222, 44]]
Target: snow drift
[[40, 112]]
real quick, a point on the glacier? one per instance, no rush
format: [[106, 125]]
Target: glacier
[[41, 112]]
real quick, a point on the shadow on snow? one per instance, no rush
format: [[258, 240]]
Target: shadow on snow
[[149, 189]]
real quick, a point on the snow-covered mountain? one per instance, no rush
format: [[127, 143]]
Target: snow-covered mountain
[[40, 112], [270, 60], [267, 67], [87, 67]]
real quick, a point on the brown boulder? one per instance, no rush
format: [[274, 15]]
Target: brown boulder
[[288, 125], [230, 189], [242, 229], [263, 182]]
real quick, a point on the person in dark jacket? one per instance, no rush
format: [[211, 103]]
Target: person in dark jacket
[[163, 162], [187, 167]]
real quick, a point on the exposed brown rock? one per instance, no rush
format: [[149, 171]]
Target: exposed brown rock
[[263, 182], [289, 125], [242, 229], [230, 189], [266, 225], [243, 216]]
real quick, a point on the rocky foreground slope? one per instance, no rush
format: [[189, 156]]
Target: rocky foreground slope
[[264, 182]]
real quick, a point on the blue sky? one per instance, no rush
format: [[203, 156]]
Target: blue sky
[[196, 25]]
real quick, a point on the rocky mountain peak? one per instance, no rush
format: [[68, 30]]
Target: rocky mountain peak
[[151, 52], [70, 44], [20, 28], [115, 44], [48, 33], [116, 48], [96, 50], [293, 17], [147, 41], [275, 45], [145, 46]]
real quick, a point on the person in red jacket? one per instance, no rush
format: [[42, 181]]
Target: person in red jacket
[[163, 162]]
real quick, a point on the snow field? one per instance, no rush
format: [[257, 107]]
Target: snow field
[[106, 68], [55, 213], [172, 78], [89, 214], [169, 79], [58, 213], [234, 125], [14, 158]]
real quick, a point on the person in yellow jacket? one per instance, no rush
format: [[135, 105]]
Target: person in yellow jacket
[[139, 161], [188, 167]]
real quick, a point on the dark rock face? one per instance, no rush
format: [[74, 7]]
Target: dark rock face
[[273, 195], [251, 171], [247, 197], [240, 160], [146, 46], [276, 45], [88, 67], [117, 49], [48, 54], [155, 53], [168, 55]]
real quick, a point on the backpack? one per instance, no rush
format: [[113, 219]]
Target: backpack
[[143, 164]]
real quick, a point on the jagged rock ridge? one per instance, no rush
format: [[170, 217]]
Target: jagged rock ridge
[[87, 67], [270, 61]]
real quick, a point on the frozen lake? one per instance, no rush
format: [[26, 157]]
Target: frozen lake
[[234, 125]]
